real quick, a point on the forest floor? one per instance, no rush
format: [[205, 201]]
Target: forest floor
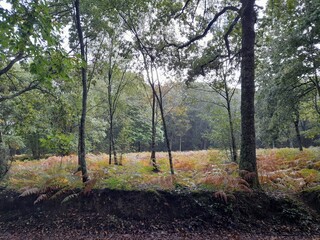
[[206, 199], [122, 214]]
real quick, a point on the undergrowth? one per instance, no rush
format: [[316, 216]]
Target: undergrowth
[[279, 169]]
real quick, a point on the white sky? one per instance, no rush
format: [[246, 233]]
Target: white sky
[[261, 3]]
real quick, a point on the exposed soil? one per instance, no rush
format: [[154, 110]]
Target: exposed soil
[[115, 214]]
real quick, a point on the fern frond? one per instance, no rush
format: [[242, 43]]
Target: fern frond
[[245, 188], [78, 173], [59, 193], [243, 172], [243, 182], [221, 195], [41, 198], [89, 185], [29, 192], [249, 176], [231, 196], [24, 189], [71, 196]]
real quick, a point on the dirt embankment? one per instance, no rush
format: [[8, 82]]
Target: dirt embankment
[[106, 213]]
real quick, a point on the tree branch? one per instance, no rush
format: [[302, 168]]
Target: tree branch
[[226, 40], [31, 86], [11, 63], [182, 10], [206, 30]]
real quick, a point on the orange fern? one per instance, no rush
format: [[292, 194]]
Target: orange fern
[[30, 191], [221, 195]]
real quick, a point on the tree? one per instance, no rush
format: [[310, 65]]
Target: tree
[[82, 146], [116, 78], [248, 162], [219, 77], [247, 15], [288, 63], [149, 57], [178, 123], [30, 40]]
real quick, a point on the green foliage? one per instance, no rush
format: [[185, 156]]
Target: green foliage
[[13, 142], [59, 143], [4, 160], [287, 75], [117, 183], [287, 153]]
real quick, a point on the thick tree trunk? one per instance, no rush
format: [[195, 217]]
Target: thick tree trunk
[[248, 164], [82, 146]]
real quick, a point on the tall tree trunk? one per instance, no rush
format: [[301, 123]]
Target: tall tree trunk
[[110, 112], [82, 145], [139, 146], [153, 134], [248, 164], [110, 146], [164, 125], [234, 154], [296, 126], [166, 134], [114, 151]]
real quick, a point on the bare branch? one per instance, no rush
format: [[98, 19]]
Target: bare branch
[[198, 37], [142, 47], [182, 10]]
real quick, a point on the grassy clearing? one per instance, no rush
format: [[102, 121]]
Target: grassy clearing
[[279, 169]]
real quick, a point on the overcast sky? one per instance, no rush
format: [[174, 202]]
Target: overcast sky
[[261, 3]]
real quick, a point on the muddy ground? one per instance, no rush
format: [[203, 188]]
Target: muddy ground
[[116, 214]]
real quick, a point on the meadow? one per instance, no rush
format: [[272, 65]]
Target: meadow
[[287, 170]]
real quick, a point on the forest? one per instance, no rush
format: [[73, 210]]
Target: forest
[[214, 103]]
